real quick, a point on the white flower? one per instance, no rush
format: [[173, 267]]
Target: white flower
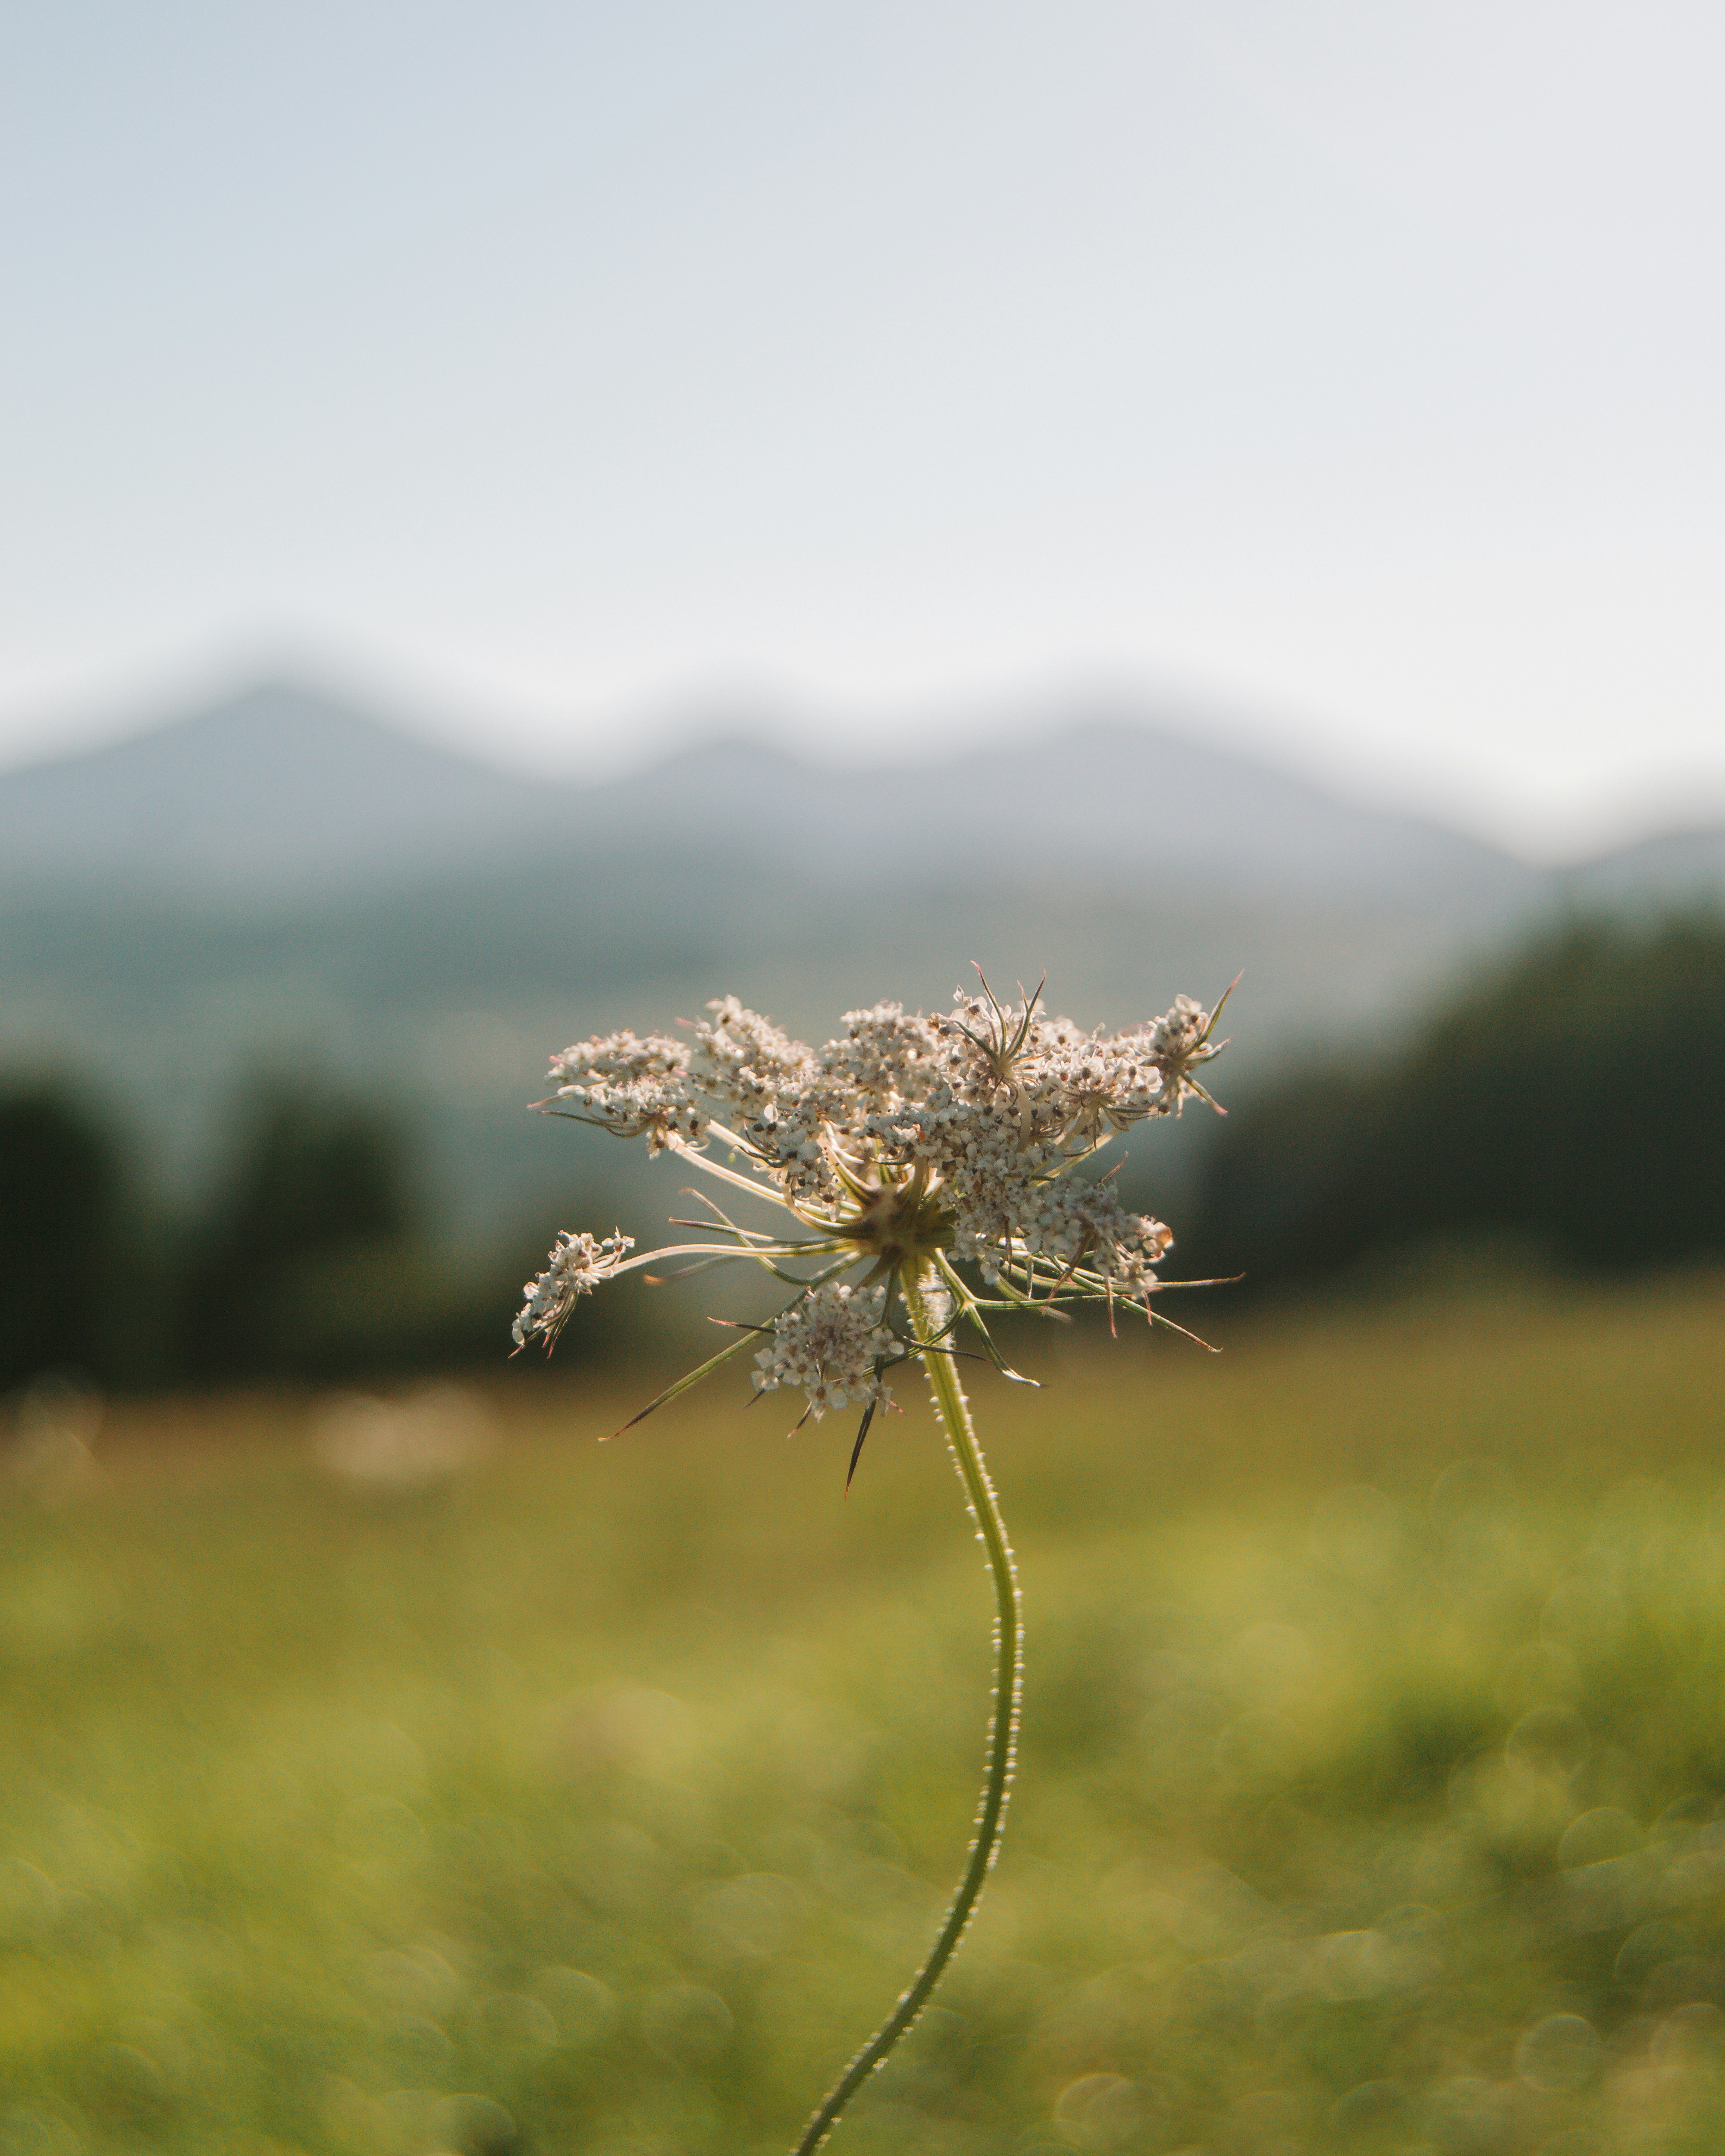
[[578, 1263], [831, 1343], [903, 1149], [1178, 1042], [631, 1086]]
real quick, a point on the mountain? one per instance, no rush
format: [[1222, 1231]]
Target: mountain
[[280, 792], [276, 790], [1102, 793]]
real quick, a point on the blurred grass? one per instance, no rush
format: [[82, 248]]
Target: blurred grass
[[599, 1799]]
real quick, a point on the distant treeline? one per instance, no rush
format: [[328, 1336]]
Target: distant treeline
[[1573, 1105], [311, 1260]]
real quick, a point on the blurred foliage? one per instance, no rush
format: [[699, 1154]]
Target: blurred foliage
[[77, 1275], [412, 1774], [59, 1202], [1571, 1105], [310, 1261], [316, 1184]]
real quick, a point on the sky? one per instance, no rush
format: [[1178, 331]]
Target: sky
[[1349, 375]]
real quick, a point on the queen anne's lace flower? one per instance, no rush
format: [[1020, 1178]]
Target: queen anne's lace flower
[[906, 1147], [906, 1152]]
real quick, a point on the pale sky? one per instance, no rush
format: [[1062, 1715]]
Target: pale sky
[[1355, 371]]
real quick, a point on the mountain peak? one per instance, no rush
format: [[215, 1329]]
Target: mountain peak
[[275, 789]]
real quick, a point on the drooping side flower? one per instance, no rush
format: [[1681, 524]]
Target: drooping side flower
[[578, 1263]]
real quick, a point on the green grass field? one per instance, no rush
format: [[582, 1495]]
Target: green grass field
[[600, 1798]]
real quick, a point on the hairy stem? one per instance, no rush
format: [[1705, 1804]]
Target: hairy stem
[[921, 1299]]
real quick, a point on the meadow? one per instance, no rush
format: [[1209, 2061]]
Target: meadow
[[379, 1779]]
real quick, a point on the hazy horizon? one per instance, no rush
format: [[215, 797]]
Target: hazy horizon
[[1348, 378]]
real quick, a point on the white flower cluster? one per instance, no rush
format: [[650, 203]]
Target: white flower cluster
[[830, 1343], [1004, 1213], [1178, 1042], [578, 1263], [632, 1087], [904, 1147], [992, 1106]]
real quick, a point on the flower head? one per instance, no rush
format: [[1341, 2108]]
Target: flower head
[[905, 1149], [578, 1263], [833, 1345], [632, 1087]]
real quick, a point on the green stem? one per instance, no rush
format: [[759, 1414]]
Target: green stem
[[950, 1405]]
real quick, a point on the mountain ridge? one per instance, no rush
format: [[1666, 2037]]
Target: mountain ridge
[[237, 797], [281, 790]]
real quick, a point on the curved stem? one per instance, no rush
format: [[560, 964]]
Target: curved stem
[[921, 1297]]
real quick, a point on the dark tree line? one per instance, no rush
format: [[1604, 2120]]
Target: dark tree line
[[67, 1248], [322, 1187], [1573, 1104], [309, 1259]]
